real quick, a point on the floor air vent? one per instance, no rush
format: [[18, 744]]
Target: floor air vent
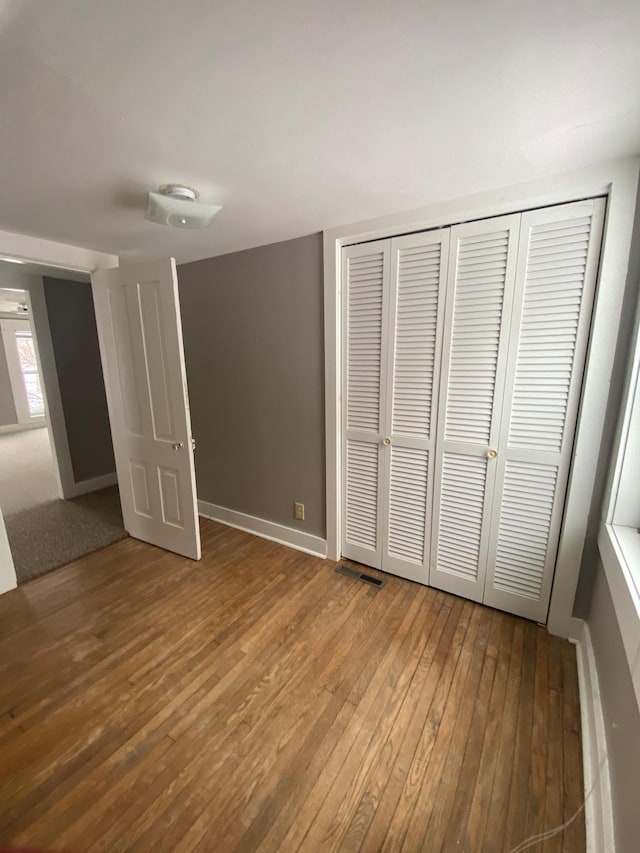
[[360, 576]]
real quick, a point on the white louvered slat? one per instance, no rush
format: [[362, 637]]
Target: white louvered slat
[[408, 504], [362, 494], [524, 527], [475, 339], [417, 297], [460, 516], [553, 288], [365, 280]]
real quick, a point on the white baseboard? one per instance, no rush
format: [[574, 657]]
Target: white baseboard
[[266, 529], [598, 811], [576, 629], [92, 485], [7, 428]]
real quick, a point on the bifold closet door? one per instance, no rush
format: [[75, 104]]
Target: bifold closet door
[[365, 277], [555, 286], [392, 336], [480, 284], [418, 277]]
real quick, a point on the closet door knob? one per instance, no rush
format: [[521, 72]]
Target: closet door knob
[[491, 454], [386, 442]]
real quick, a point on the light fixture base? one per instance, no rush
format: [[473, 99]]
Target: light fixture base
[[181, 192]]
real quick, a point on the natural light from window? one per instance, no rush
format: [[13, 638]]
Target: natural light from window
[[30, 376]]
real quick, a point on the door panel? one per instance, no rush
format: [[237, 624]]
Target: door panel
[[415, 317], [482, 267], [365, 273], [140, 334], [555, 286]]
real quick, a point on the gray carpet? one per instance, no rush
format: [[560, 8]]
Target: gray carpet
[[27, 476], [58, 532]]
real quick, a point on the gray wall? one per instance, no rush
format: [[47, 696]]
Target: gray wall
[[253, 335], [621, 716], [7, 407], [75, 346]]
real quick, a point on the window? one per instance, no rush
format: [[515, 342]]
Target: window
[[30, 376], [22, 365]]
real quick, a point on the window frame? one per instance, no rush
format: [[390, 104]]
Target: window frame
[[8, 329], [619, 535]]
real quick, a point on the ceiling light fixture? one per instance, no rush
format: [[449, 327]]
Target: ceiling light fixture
[[178, 206]]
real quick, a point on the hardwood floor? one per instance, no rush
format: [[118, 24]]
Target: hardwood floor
[[260, 701]]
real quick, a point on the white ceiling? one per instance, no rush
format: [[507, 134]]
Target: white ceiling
[[297, 115]]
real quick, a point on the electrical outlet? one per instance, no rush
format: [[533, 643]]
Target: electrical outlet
[[298, 511]]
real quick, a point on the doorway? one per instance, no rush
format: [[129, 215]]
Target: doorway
[[26, 464], [58, 487]]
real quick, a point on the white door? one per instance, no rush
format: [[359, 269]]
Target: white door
[[482, 268], [365, 276], [555, 286], [418, 275], [392, 339], [140, 334]]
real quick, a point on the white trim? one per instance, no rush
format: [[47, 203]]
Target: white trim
[[94, 484], [40, 423], [618, 180], [7, 571], [306, 542], [35, 250], [618, 537], [619, 549], [598, 810]]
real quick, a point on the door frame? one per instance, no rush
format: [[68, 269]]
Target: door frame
[[59, 257], [618, 181]]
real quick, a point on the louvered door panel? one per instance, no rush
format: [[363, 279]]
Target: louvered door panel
[[362, 494], [482, 264], [419, 269], [408, 504], [555, 285], [417, 282], [365, 284], [461, 516], [364, 337], [524, 525], [476, 329], [548, 330]]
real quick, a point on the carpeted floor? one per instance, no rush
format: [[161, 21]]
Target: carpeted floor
[[57, 532], [27, 475]]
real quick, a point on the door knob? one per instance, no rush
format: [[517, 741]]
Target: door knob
[[178, 445], [193, 444], [386, 442], [491, 454]]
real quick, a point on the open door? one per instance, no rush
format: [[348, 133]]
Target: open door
[[140, 334]]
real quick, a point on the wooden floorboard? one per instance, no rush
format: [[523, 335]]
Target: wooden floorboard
[[257, 700]]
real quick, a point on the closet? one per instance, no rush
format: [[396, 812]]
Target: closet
[[463, 354]]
